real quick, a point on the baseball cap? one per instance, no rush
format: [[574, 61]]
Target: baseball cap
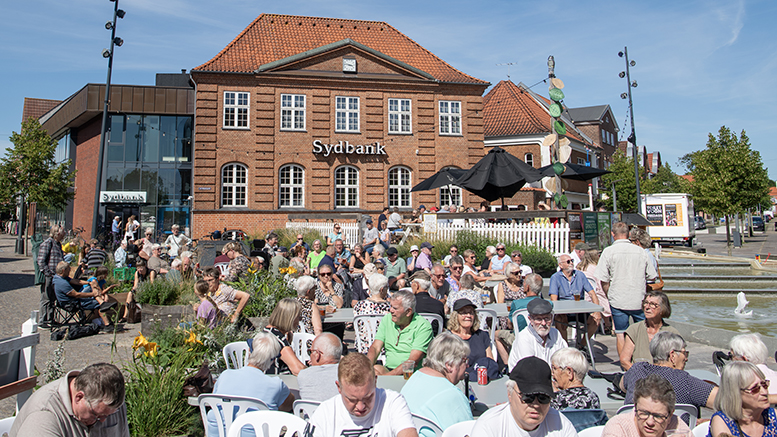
[[538, 306], [391, 251], [421, 206], [283, 249], [413, 247], [369, 220], [532, 375], [426, 245], [461, 303], [582, 246]]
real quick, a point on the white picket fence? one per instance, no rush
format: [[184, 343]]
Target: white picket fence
[[552, 237], [350, 230]]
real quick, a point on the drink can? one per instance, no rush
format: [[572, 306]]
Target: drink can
[[482, 375]]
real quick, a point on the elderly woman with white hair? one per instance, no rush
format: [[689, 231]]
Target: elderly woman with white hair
[[568, 368], [376, 303], [743, 403], [310, 316], [669, 358], [361, 284], [750, 348], [251, 381], [431, 392]]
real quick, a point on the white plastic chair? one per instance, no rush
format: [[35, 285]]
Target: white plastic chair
[[223, 267], [431, 318], [301, 347], [223, 408], [5, 425], [461, 429], [484, 314], [365, 327], [680, 410], [304, 408], [422, 422], [520, 313], [594, 431], [236, 354], [701, 429], [268, 424]]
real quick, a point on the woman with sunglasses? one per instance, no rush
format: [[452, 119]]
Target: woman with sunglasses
[[743, 403], [337, 234], [653, 413], [238, 264], [669, 358], [469, 266], [328, 292], [464, 322], [636, 345]]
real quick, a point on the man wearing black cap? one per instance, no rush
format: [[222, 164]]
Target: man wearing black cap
[[396, 269], [540, 339], [529, 390], [371, 236]]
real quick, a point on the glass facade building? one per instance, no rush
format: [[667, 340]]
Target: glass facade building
[[151, 154]]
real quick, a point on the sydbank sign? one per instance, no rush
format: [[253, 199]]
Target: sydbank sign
[[122, 197], [346, 148]]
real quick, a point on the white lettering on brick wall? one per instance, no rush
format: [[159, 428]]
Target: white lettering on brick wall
[[346, 148]]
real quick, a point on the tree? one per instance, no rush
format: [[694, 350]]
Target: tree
[[622, 169], [728, 176], [665, 181], [28, 172]]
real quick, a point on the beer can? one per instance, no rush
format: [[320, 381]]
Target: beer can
[[482, 375]]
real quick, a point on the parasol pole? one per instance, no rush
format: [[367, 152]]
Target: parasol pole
[[554, 149]]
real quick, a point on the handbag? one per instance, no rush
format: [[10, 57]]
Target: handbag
[[199, 383], [659, 284]]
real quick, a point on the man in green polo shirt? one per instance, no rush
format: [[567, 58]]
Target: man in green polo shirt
[[403, 334]]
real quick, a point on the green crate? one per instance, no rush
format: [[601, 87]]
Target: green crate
[[124, 273]]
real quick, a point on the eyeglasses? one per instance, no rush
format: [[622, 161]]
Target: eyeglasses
[[325, 274], [337, 229], [754, 390], [439, 276], [643, 415], [684, 352], [457, 268], [500, 248], [517, 256], [530, 398], [299, 239], [569, 261], [98, 417], [652, 305], [380, 268], [454, 251]]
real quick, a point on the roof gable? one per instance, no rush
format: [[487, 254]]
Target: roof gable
[[510, 109], [274, 38]]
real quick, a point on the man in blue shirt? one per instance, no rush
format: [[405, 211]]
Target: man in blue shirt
[[569, 284], [66, 294]]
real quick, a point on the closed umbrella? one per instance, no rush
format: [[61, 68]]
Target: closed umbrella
[[575, 171], [498, 175]]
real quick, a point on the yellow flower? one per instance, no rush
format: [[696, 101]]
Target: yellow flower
[[193, 338], [140, 341], [151, 349], [283, 269], [291, 270]]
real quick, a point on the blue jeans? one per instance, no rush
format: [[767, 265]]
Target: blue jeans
[[620, 318], [368, 248]]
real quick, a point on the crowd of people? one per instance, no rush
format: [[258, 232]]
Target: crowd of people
[[545, 374]]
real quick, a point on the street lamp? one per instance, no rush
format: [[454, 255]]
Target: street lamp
[[107, 53], [633, 137], [614, 196]]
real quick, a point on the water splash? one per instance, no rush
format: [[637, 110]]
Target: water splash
[[741, 305]]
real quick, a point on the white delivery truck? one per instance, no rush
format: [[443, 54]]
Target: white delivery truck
[[671, 215]]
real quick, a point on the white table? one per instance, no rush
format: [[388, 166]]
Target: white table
[[410, 230]]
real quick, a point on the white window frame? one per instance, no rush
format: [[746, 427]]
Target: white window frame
[[400, 119], [455, 197], [580, 161], [238, 103], [347, 114], [399, 191], [529, 157], [450, 117], [232, 186], [291, 187], [293, 112], [346, 193]]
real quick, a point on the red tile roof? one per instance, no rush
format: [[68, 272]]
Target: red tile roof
[[36, 108], [687, 177], [773, 191], [273, 37], [509, 109]]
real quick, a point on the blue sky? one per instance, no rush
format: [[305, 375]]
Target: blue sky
[[700, 64]]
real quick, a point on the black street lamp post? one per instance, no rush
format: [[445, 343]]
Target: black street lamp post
[[633, 137]]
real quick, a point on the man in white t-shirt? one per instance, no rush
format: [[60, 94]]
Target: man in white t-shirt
[[362, 409], [540, 339], [527, 412]]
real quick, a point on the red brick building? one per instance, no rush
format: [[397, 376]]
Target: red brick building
[[305, 114], [517, 120]]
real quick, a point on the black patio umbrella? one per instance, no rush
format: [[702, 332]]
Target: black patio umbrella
[[498, 175], [444, 177], [575, 171]]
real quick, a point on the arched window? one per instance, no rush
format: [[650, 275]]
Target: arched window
[[449, 194], [399, 187], [529, 159], [346, 187], [291, 192], [234, 185]]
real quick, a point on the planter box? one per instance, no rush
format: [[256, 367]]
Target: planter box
[[159, 317]]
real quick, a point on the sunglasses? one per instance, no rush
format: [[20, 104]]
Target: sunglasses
[[569, 261], [530, 398], [500, 249], [754, 390], [325, 274], [457, 268]]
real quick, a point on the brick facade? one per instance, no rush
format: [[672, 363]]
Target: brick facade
[[263, 147]]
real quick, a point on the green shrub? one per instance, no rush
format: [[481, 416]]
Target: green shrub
[[159, 292], [265, 291]]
